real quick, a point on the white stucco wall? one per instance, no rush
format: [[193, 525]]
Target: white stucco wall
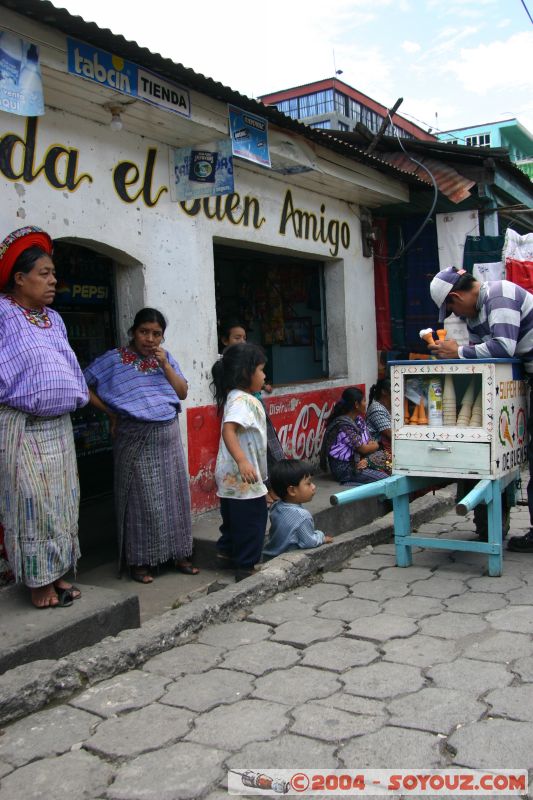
[[166, 255]]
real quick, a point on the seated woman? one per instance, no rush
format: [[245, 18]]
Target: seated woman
[[378, 417], [347, 448]]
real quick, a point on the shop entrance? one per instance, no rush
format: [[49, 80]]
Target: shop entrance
[[281, 302], [85, 299]]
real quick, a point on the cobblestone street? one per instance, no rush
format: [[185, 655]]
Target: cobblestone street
[[372, 667]]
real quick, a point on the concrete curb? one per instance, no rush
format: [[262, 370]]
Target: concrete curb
[[30, 687]]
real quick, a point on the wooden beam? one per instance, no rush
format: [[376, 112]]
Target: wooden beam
[[384, 125]]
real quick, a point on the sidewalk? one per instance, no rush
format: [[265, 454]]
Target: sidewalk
[[370, 667], [110, 604]]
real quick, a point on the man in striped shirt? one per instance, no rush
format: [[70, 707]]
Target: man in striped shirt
[[499, 317]]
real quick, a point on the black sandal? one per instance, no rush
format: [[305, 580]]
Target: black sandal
[[142, 575], [186, 568]]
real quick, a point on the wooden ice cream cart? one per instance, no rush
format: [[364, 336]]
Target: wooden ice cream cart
[[474, 427]]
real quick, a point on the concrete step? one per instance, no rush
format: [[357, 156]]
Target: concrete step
[[30, 634], [110, 605], [333, 520]]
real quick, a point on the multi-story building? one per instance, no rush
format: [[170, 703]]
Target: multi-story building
[[333, 104], [509, 133]]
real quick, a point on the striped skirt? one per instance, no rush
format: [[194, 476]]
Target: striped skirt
[[39, 496], [151, 493]]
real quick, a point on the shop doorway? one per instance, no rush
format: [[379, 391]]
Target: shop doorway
[[281, 301], [85, 298]]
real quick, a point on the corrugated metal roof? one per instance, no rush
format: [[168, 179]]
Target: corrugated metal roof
[[60, 19], [455, 186]]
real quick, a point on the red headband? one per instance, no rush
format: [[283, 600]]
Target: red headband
[[16, 243]]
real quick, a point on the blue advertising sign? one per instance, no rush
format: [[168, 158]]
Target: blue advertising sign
[[123, 76], [202, 171], [249, 136], [21, 86]]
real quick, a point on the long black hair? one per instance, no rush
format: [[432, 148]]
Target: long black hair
[[234, 370], [25, 263], [147, 315], [380, 388], [349, 398]]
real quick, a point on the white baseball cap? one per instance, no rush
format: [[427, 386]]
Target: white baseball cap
[[441, 285]]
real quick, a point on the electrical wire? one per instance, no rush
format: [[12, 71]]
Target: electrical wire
[[417, 233], [527, 11]]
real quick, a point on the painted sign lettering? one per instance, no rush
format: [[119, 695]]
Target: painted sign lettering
[[307, 225], [59, 164]]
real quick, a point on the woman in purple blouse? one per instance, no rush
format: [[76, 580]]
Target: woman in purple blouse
[[347, 448], [40, 384], [140, 387]]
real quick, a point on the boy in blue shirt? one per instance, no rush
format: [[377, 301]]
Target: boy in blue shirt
[[291, 526]]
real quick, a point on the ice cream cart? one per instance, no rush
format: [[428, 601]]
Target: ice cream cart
[[453, 420]]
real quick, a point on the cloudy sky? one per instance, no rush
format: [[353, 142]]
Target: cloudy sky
[[455, 62]]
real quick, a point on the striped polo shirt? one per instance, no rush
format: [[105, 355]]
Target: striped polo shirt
[[503, 326]]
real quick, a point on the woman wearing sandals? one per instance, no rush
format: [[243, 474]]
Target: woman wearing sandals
[[140, 387], [40, 384]]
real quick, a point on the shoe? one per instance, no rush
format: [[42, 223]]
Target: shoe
[[521, 544], [187, 568], [241, 574], [224, 561], [141, 575], [69, 592]]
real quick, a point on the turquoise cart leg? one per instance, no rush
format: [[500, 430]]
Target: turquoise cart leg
[[494, 512], [402, 528]]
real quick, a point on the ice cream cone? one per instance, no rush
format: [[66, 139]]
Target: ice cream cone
[[422, 416], [414, 416], [476, 418], [441, 333]]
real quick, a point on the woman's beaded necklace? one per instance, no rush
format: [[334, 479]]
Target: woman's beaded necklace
[[36, 316]]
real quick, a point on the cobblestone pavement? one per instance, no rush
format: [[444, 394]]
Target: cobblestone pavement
[[372, 667]]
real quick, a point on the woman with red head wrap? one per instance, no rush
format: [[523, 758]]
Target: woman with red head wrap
[[40, 384]]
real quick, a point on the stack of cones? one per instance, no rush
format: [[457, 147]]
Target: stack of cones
[[477, 413], [405, 411], [422, 416], [413, 419], [463, 420], [449, 408]]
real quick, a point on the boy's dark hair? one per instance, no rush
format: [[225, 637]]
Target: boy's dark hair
[[288, 472], [227, 324]]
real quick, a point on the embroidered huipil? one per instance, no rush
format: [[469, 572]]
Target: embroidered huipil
[[39, 372], [133, 386]]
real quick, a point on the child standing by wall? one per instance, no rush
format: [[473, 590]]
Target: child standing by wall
[[241, 467], [291, 526]]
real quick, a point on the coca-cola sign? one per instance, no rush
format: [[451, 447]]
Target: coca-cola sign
[[299, 419]]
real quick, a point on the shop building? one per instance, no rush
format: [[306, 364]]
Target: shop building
[[283, 251]]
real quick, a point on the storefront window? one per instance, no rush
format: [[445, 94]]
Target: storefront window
[[280, 301]]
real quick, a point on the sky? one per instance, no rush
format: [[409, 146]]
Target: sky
[[454, 62]]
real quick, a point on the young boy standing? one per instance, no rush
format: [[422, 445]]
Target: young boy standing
[[291, 526]]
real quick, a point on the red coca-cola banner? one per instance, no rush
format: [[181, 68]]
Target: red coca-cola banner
[[299, 420]]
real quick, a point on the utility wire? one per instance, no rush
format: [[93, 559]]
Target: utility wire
[[415, 236], [527, 11]]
